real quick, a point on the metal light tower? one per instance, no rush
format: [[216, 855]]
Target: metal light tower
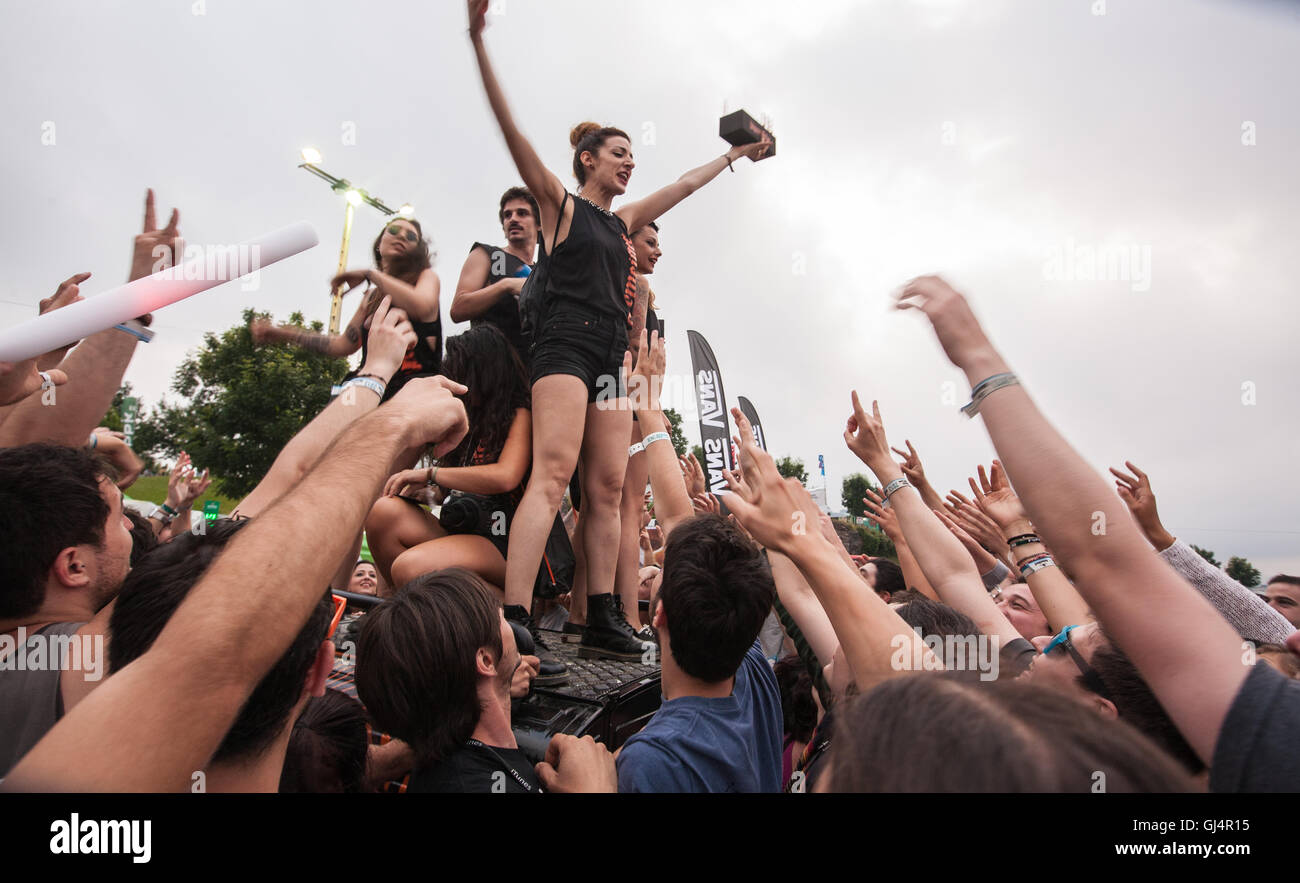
[[353, 197]]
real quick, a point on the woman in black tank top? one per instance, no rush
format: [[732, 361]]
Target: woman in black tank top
[[585, 290], [404, 273]]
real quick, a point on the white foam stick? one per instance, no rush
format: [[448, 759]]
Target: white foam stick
[[66, 325]]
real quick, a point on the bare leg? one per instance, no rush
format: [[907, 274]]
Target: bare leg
[[604, 459], [627, 580], [458, 550], [394, 526], [559, 403]]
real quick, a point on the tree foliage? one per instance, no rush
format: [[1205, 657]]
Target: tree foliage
[[241, 405], [676, 436], [791, 467], [1242, 571], [852, 491], [1207, 555]]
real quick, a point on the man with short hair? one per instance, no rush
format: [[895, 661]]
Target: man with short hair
[[435, 668], [251, 756], [1283, 595], [719, 728], [492, 277], [66, 547]]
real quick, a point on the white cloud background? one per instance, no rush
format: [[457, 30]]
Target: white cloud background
[[1124, 128]]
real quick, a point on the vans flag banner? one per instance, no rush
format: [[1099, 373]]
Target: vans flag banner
[[715, 431], [747, 408]]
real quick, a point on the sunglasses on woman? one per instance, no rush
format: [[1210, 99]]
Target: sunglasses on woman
[[409, 235], [1090, 676]]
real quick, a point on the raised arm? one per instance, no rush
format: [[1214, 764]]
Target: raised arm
[[336, 346], [418, 301], [943, 559], [546, 188], [777, 512], [1192, 660], [501, 477], [913, 577], [155, 722], [1247, 612], [637, 214], [473, 296], [672, 503]]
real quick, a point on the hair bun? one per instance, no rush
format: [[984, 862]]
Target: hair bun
[[580, 131]]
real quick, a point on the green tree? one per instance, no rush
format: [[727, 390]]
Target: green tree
[[1242, 571], [1206, 554], [676, 436], [242, 405], [852, 491], [791, 467], [699, 454]]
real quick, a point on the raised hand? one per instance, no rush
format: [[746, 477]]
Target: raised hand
[[154, 249], [430, 412], [885, 517], [995, 498], [693, 472], [645, 381], [865, 435], [477, 18], [706, 503], [767, 505], [68, 292], [185, 484], [755, 151], [391, 335], [911, 464], [350, 279], [959, 332], [1141, 501]]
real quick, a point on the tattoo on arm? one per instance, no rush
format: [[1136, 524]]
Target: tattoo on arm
[[308, 340]]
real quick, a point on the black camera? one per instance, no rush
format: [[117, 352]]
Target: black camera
[[474, 514]]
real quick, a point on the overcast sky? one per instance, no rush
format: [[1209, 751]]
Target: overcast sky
[[999, 143]]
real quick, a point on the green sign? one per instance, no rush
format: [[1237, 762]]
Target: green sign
[[211, 510], [130, 405]]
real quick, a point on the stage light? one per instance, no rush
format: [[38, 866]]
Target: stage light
[[310, 155], [406, 210], [354, 197]]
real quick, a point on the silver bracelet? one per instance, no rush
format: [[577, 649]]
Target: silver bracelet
[[161, 515], [986, 386], [369, 383]]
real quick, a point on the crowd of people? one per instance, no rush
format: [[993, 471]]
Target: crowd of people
[[1044, 632]]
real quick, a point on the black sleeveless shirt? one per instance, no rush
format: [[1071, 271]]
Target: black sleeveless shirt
[[422, 359], [504, 314], [594, 268]]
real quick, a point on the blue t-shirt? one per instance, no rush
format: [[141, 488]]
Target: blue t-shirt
[[694, 744]]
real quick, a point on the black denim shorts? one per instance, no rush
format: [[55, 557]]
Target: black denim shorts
[[582, 343]]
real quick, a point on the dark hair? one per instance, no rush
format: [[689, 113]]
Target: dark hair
[[483, 359], [327, 748], [1137, 705], [519, 193], [417, 670], [932, 733], [1287, 662], [889, 577], [151, 594], [798, 710], [1284, 578], [653, 225], [143, 539], [50, 500], [717, 589], [414, 261], [591, 137]]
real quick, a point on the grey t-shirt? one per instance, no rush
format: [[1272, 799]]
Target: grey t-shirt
[[31, 702], [1256, 750]]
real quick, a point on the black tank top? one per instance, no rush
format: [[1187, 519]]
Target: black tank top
[[504, 314], [422, 359], [594, 267]]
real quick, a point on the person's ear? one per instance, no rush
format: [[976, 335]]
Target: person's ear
[[486, 664], [71, 568], [658, 620], [320, 669], [1104, 707]]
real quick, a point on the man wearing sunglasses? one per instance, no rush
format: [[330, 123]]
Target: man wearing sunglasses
[[493, 276], [1081, 661]]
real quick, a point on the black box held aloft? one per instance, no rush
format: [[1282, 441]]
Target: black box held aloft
[[740, 128]]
